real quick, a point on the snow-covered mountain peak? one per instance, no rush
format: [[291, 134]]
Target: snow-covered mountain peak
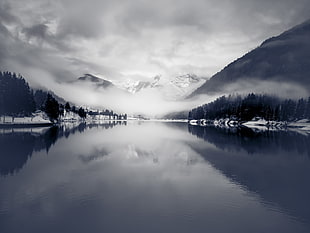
[[184, 81], [134, 86], [156, 81], [172, 89]]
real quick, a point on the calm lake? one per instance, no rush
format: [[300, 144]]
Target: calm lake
[[153, 177]]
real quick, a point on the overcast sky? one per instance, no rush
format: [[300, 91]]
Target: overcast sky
[[58, 40]]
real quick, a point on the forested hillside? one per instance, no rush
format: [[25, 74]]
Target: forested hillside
[[252, 105]]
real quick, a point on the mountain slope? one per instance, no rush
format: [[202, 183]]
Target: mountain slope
[[285, 58], [98, 82]]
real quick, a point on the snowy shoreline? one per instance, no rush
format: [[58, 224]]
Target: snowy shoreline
[[257, 124], [38, 119]]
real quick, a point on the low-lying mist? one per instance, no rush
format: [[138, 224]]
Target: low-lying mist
[[280, 89], [152, 103], [149, 102]]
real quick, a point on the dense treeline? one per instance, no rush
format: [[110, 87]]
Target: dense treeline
[[17, 99], [251, 106], [110, 114], [49, 104]]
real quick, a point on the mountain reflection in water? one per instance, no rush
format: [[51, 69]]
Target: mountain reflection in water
[[273, 164]]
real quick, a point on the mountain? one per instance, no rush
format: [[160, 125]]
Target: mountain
[[185, 81], [181, 86], [284, 59], [98, 82], [172, 89], [137, 86]]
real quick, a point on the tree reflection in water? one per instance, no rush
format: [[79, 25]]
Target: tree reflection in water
[[18, 145], [273, 164]]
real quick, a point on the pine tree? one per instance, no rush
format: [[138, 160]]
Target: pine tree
[[40, 97], [68, 107], [300, 109], [307, 114], [82, 113], [52, 108]]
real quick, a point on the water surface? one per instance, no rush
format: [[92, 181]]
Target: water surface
[[153, 177]]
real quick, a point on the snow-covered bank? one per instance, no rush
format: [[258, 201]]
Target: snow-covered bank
[[302, 126], [37, 119], [258, 124], [262, 124], [220, 122], [68, 116]]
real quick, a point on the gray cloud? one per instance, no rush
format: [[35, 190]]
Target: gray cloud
[[5, 13], [38, 31]]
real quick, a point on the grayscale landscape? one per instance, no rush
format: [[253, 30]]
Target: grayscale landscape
[[154, 116]]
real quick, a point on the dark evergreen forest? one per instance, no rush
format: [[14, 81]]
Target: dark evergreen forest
[[251, 106], [16, 97]]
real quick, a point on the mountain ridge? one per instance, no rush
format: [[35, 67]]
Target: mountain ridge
[[171, 88], [175, 88], [99, 82], [284, 58]]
